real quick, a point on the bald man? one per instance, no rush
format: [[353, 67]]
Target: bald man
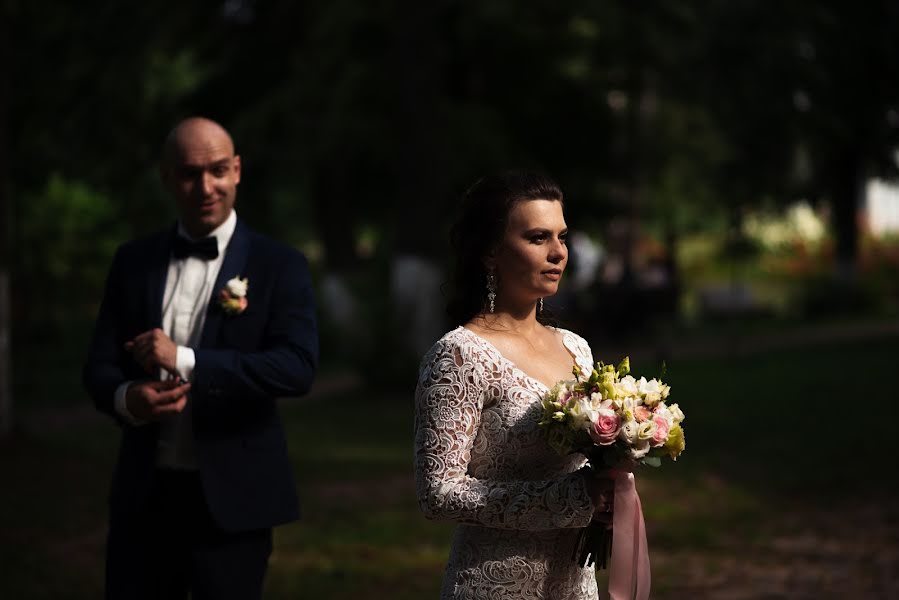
[[201, 328]]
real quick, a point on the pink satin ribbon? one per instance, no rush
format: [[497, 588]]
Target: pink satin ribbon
[[629, 576]]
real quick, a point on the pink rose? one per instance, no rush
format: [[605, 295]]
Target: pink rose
[[661, 433], [641, 413], [605, 428]]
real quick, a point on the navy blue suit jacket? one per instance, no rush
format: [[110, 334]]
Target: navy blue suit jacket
[[243, 363]]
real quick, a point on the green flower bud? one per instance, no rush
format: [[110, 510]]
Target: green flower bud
[[576, 371]]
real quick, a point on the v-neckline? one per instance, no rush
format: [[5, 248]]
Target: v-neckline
[[512, 364]]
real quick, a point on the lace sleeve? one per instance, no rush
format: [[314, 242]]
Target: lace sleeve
[[448, 403]]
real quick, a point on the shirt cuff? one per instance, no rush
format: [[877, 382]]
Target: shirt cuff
[[121, 406], [185, 361]]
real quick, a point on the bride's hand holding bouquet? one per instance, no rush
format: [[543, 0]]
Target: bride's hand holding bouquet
[[617, 422]]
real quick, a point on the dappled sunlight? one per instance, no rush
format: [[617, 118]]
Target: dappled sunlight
[[734, 517], [359, 566], [808, 553]]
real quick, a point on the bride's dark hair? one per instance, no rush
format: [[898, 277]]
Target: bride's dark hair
[[479, 228]]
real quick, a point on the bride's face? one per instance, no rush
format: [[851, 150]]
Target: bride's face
[[532, 255]]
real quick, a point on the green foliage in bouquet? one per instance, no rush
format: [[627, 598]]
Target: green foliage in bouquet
[[613, 418]]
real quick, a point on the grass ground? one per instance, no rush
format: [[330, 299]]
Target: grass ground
[[786, 489]]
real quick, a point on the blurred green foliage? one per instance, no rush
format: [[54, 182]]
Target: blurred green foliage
[[67, 233], [368, 120]]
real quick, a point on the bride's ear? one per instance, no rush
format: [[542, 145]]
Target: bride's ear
[[490, 257]]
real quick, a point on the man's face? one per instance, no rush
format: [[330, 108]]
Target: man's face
[[202, 173]]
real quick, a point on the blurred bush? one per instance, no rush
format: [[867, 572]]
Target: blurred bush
[[67, 234]]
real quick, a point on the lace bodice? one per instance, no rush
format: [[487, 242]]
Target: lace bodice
[[482, 461]]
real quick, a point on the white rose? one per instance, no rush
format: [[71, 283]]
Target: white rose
[[627, 386], [646, 430], [644, 386], [606, 405], [652, 398], [664, 412], [582, 414], [676, 413], [628, 431], [654, 385], [649, 391], [237, 287], [640, 449], [625, 408]]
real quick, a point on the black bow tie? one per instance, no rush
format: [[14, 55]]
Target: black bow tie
[[207, 248]]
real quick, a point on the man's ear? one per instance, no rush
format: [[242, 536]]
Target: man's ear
[[236, 165]]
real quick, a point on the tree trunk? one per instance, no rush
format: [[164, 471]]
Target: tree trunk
[[421, 188], [6, 405], [845, 191], [334, 216]]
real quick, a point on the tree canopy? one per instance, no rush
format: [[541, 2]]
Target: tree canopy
[[370, 119]]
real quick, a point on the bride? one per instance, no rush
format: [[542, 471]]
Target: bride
[[480, 459]]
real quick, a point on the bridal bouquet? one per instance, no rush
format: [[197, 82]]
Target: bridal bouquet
[[613, 419], [609, 416]]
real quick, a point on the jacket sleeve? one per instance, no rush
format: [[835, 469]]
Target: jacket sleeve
[[285, 363], [448, 403], [104, 369]]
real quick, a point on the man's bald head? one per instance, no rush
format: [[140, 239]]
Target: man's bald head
[[201, 171], [193, 131]]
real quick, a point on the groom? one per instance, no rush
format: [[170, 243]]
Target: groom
[[202, 327]]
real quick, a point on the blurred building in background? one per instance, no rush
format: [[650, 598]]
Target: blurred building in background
[[881, 208]]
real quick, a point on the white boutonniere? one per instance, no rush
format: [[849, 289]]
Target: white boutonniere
[[233, 297]]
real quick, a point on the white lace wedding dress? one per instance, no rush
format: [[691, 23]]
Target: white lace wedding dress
[[481, 460]]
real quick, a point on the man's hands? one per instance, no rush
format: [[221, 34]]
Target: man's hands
[[156, 400], [154, 350]]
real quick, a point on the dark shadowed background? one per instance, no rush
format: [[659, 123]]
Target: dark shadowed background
[[729, 171]]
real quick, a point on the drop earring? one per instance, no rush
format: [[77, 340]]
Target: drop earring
[[491, 290], [540, 307]]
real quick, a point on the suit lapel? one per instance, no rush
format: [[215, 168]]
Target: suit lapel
[[233, 265], [158, 271]]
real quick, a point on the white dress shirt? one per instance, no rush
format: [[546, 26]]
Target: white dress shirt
[[188, 289]]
